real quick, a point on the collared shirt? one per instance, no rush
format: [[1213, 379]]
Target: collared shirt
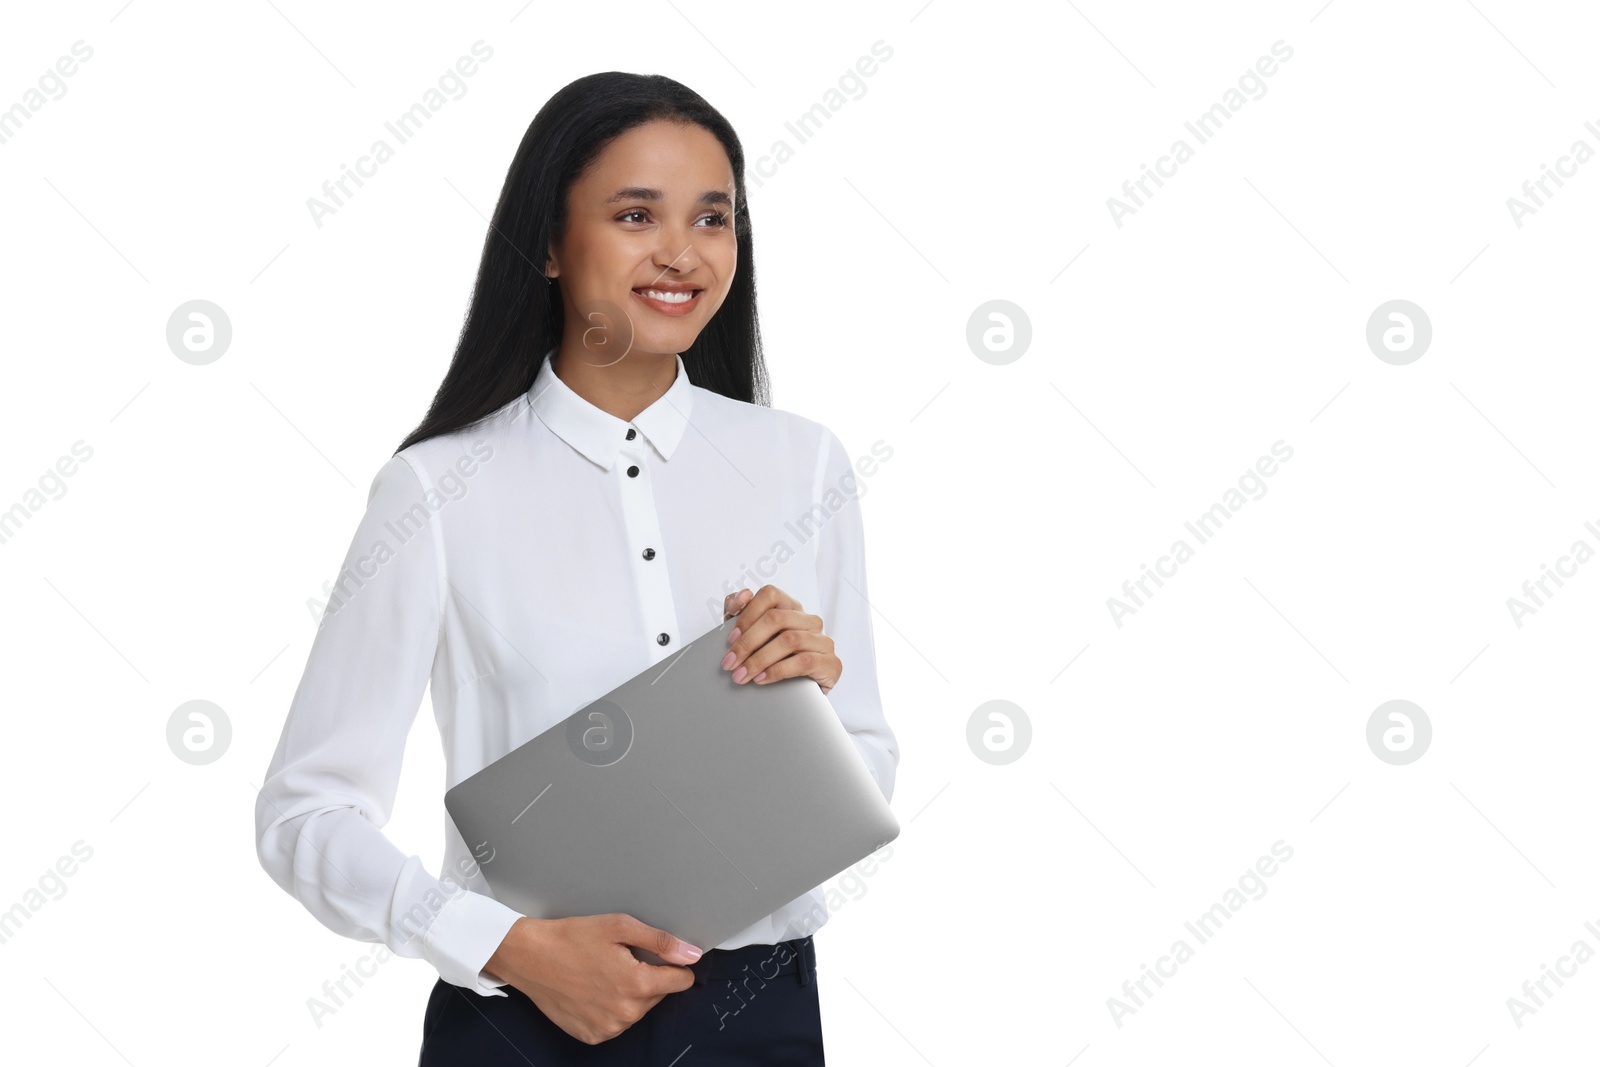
[[522, 568]]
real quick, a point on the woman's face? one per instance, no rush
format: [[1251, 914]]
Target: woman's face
[[649, 234]]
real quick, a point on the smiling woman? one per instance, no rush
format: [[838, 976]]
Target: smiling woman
[[665, 251], [611, 364]]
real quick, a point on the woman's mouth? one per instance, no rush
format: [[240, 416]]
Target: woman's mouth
[[668, 302]]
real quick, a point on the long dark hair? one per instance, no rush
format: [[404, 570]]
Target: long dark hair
[[516, 313]]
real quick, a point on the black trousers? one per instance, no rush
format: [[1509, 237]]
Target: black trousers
[[753, 1006]]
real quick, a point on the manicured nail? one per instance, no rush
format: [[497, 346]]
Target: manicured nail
[[688, 950], [760, 676], [734, 636], [727, 661], [739, 674]]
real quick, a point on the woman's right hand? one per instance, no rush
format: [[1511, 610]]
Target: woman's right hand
[[581, 974]]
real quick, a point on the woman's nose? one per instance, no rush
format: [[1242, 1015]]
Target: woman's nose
[[677, 249]]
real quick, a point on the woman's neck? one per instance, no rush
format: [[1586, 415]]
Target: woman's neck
[[622, 388]]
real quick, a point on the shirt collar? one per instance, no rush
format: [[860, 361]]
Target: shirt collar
[[599, 434]]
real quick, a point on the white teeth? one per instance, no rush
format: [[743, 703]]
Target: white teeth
[[669, 298]]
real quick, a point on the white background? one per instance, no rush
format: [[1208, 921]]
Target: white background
[[1167, 355]]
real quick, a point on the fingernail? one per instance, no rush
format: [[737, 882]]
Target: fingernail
[[727, 661], [734, 636], [739, 674], [760, 676], [688, 950]]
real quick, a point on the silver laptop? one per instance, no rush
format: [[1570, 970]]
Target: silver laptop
[[693, 803]]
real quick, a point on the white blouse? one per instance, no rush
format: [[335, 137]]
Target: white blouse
[[523, 568]]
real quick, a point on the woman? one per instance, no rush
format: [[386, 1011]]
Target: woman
[[599, 480]]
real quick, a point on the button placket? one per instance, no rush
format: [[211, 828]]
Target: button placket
[[658, 613]]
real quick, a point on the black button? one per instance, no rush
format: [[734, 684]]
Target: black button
[[630, 433], [649, 553], [633, 472], [662, 639]]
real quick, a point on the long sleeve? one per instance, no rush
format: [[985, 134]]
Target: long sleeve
[[331, 784], [847, 616]]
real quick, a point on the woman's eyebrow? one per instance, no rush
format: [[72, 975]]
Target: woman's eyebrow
[[637, 192]]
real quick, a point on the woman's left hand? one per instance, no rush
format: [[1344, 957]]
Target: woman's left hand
[[776, 639]]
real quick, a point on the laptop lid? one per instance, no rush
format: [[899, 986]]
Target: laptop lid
[[682, 798]]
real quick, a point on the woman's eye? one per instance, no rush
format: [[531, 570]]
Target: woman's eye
[[635, 211], [718, 219]]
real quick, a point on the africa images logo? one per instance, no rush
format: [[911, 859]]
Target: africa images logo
[[601, 734]]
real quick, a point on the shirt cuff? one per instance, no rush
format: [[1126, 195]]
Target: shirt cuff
[[462, 938]]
